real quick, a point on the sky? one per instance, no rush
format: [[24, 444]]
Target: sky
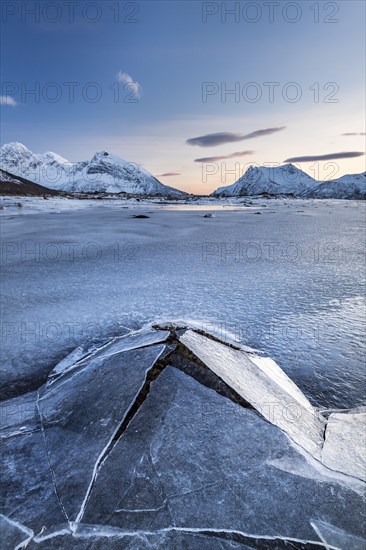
[[276, 81]]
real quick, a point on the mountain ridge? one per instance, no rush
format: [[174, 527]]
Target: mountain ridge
[[16, 185], [287, 179], [102, 173]]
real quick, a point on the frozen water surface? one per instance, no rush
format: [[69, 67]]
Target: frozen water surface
[[84, 412], [288, 281], [193, 459], [262, 383], [140, 444], [345, 436]]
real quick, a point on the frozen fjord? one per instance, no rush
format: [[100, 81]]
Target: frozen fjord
[[286, 281]]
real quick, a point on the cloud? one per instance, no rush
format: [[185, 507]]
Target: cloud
[[7, 100], [330, 156], [233, 155], [168, 174], [211, 140], [354, 134], [128, 80], [265, 132]]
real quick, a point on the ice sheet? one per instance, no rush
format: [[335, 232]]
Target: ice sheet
[[345, 443], [262, 383], [81, 415], [197, 461], [286, 282]]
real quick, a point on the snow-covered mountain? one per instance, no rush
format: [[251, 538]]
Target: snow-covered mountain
[[289, 180], [277, 180], [16, 185], [103, 173], [350, 186], [5, 177]]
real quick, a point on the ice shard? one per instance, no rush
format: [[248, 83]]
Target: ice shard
[[261, 382], [166, 439], [344, 448], [194, 460], [81, 416]]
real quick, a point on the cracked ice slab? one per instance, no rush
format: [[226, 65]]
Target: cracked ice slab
[[261, 382], [96, 537], [195, 460], [18, 415], [101, 537], [101, 349], [345, 443], [13, 534], [27, 488], [333, 537], [81, 416], [304, 465], [27, 492]]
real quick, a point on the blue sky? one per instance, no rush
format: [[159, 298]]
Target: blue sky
[[169, 50]]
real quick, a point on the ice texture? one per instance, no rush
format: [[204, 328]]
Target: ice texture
[[333, 537], [264, 385], [140, 338], [98, 537], [84, 412], [121, 450], [345, 443], [196, 460], [27, 493], [302, 304], [19, 415], [13, 534]]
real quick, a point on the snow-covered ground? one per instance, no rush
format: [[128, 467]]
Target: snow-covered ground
[[283, 276]]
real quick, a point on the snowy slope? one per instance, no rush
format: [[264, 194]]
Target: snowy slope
[[278, 180], [289, 180], [103, 173], [5, 177], [17, 185], [350, 186]]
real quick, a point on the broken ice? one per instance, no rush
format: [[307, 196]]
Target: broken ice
[[159, 439]]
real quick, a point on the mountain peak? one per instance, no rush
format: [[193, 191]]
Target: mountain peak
[[15, 146], [99, 154], [54, 157], [103, 173], [287, 179]]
